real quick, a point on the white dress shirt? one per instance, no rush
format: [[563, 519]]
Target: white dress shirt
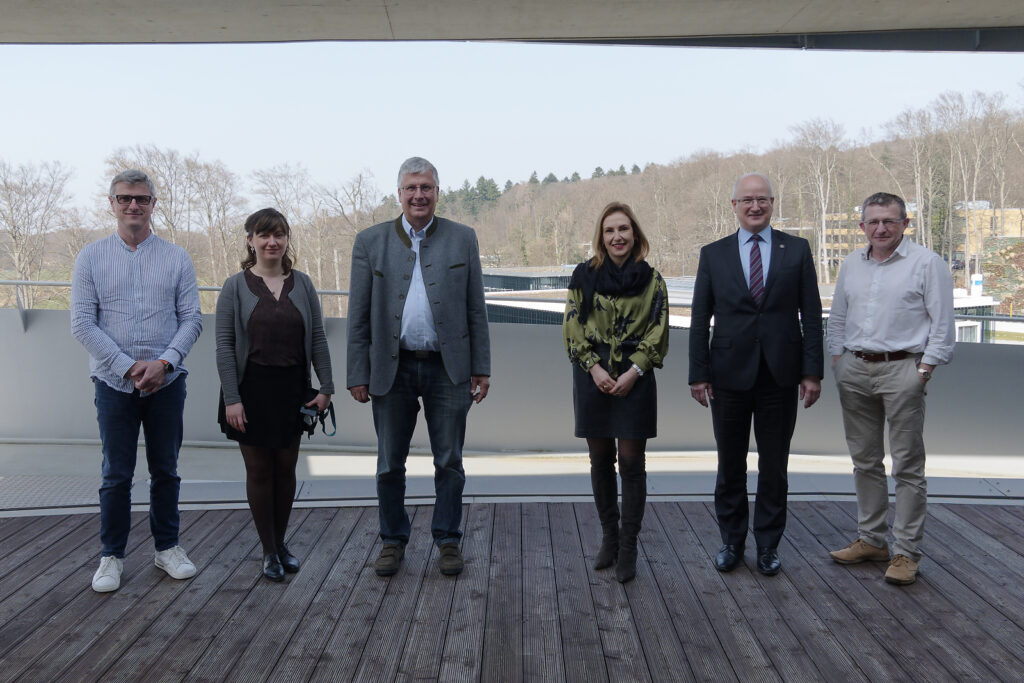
[[418, 332], [904, 303]]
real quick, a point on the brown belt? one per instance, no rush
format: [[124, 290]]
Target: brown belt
[[880, 356]]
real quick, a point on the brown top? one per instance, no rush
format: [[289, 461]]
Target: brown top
[[276, 332]]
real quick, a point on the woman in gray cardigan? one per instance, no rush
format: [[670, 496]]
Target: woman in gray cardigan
[[269, 330]]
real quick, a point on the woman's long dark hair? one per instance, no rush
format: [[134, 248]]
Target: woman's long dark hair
[[260, 223]]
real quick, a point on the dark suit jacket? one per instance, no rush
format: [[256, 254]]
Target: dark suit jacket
[[786, 328], [382, 263]]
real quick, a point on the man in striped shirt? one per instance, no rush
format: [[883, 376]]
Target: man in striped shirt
[[135, 308]]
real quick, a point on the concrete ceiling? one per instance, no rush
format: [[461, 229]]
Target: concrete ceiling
[[836, 24]]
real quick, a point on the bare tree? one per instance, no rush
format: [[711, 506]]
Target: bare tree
[[220, 209], [821, 141], [32, 201]]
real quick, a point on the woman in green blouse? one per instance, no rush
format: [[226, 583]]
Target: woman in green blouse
[[616, 333]]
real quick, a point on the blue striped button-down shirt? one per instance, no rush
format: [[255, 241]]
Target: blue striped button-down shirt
[[129, 305]]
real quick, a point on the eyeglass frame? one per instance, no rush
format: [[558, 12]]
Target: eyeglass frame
[[750, 201], [140, 199], [424, 188]]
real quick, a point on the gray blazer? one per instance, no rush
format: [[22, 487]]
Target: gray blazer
[[234, 306], [382, 263]]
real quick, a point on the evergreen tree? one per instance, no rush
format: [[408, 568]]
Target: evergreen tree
[[533, 178], [575, 177], [487, 190], [508, 185], [598, 173], [550, 178], [622, 170], [635, 170]]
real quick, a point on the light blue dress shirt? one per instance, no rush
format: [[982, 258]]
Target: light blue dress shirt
[[418, 332]]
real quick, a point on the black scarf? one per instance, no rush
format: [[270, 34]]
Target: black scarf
[[609, 280]]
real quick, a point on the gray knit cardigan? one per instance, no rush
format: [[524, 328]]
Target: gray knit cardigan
[[234, 306]]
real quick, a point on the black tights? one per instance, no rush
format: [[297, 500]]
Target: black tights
[[631, 457], [270, 487]]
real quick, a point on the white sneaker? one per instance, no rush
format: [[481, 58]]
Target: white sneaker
[[108, 577], [175, 562]]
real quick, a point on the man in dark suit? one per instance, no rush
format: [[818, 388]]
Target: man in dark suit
[[417, 329], [761, 288]]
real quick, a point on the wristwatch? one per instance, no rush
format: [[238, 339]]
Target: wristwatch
[[925, 374], [639, 372], [168, 368]]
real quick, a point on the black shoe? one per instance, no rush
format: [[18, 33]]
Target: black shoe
[[450, 559], [289, 562], [728, 557], [768, 562], [389, 559], [272, 568], [625, 565], [608, 553]]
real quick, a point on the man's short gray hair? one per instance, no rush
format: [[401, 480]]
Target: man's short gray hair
[[414, 165], [884, 199], [771, 190], [132, 176]]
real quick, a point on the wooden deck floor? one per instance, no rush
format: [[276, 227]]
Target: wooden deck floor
[[528, 606]]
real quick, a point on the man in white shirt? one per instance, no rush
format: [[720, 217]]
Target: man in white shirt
[[891, 325]]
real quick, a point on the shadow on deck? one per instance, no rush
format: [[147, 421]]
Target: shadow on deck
[[527, 607]]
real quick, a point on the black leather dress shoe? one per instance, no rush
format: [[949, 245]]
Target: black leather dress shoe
[[289, 562], [728, 558], [768, 562], [272, 568]]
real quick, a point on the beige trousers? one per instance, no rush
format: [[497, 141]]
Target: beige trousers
[[871, 394]]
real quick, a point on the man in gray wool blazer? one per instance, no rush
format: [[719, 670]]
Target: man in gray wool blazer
[[417, 328]]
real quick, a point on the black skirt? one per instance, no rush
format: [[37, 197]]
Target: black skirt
[[271, 397], [603, 416]]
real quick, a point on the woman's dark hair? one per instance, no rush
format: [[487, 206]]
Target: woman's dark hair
[[260, 223]]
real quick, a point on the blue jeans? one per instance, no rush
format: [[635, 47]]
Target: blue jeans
[[445, 406], [120, 415]]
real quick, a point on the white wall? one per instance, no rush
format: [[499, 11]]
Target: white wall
[[46, 394]]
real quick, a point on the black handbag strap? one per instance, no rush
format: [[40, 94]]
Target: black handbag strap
[[323, 420]]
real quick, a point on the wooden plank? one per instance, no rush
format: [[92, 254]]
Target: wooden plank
[[919, 607], [238, 573], [317, 546], [463, 651], [204, 540], [750, 591], [741, 646], [624, 655], [542, 636], [996, 521], [308, 642], [14, 530], [581, 640], [47, 548], [690, 625], [164, 638], [372, 629], [503, 626], [1002, 563], [259, 605], [72, 630]]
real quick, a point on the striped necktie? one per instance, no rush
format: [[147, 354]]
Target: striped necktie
[[756, 272]]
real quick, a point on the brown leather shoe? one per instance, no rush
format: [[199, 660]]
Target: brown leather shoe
[[450, 560], [389, 559], [860, 551], [902, 570]]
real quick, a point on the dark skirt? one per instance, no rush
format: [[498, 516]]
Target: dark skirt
[[271, 397], [603, 416]]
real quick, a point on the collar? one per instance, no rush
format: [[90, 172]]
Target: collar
[[745, 235], [901, 249], [412, 232]]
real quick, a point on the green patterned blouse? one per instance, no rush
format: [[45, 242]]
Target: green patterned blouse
[[633, 327]]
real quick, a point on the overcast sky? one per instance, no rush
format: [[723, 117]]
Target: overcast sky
[[495, 109]]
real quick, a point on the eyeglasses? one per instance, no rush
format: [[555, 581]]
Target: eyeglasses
[[424, 188], [140, 199], [750, 201], [887, 222]]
